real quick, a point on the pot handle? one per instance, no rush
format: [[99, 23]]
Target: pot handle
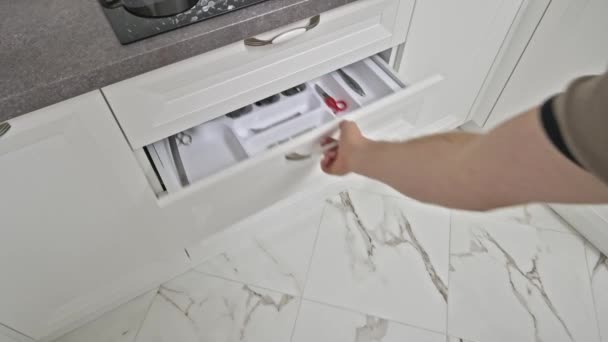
[[111, 3]]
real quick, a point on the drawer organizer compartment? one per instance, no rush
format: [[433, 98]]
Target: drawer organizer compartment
[[269, 123]]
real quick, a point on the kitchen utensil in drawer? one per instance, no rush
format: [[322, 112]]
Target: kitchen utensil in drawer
[[177, 161], [240, 112], [289, 127], [295, 90], [354, 85], [336, 105], [269, 100], [184, 138], [278, 123]]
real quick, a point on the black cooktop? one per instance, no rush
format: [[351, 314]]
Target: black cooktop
[[130, 27]]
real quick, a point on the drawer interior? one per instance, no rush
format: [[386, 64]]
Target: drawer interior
[[201, 151]]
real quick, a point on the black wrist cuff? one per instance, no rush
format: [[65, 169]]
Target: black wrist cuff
[[549, 122]]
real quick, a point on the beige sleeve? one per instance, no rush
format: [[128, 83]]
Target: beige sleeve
[[582, 116]]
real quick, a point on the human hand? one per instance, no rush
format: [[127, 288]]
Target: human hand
[[344, 158]]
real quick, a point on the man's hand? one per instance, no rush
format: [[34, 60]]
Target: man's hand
[[348, 154]]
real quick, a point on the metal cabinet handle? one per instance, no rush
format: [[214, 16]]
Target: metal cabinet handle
[[285, 36], [294, 156], [4, 127], [297, 156], [111, 3]]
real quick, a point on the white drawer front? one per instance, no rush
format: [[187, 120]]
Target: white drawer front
[[157, 104], [225, 196]]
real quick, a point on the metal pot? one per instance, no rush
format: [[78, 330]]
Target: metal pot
[[152, 8]]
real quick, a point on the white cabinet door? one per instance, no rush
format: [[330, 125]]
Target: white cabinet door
[[459, 40], [566, 45], [75, 216]]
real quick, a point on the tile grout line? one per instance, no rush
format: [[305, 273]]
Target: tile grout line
[[560, 218], [312, 254], [21, 336], [491, 219], [141, 323], [495, 219], [212, 276], [342, 308], [447, 304], [590, 275], [378, 193], [265, 288]]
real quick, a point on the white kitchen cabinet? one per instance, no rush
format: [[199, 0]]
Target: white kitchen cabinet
[[459, 40], [232, 173], [527, 21], [93, 216], [79, 233], [174, 98], [567, 44], [226, 173]]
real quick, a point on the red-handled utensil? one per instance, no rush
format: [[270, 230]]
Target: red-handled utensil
[[336, 105]]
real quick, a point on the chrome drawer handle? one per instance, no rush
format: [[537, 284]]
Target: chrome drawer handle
[[297, 156], [294, 156], [285, 36], [4, 127]]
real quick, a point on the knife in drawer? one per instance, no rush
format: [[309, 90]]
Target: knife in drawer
[[356, 87]]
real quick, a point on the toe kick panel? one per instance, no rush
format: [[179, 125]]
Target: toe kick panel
[[217, 173]]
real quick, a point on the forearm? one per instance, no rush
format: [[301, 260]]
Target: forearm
[[427, 169], [513, 164]]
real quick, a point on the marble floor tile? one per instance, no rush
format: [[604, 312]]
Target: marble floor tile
[[383, 255], [511, 282], [319, 322], [195, 307], [536, 215], [361, 183], [119, 325], [277, 258], [598, 270], [9, 335]]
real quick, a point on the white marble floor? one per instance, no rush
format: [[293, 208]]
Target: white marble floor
[[362, 263]]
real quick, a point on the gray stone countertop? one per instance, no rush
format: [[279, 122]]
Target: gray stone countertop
[[52, 50]]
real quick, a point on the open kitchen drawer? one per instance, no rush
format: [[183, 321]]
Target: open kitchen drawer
[[221, 171]]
